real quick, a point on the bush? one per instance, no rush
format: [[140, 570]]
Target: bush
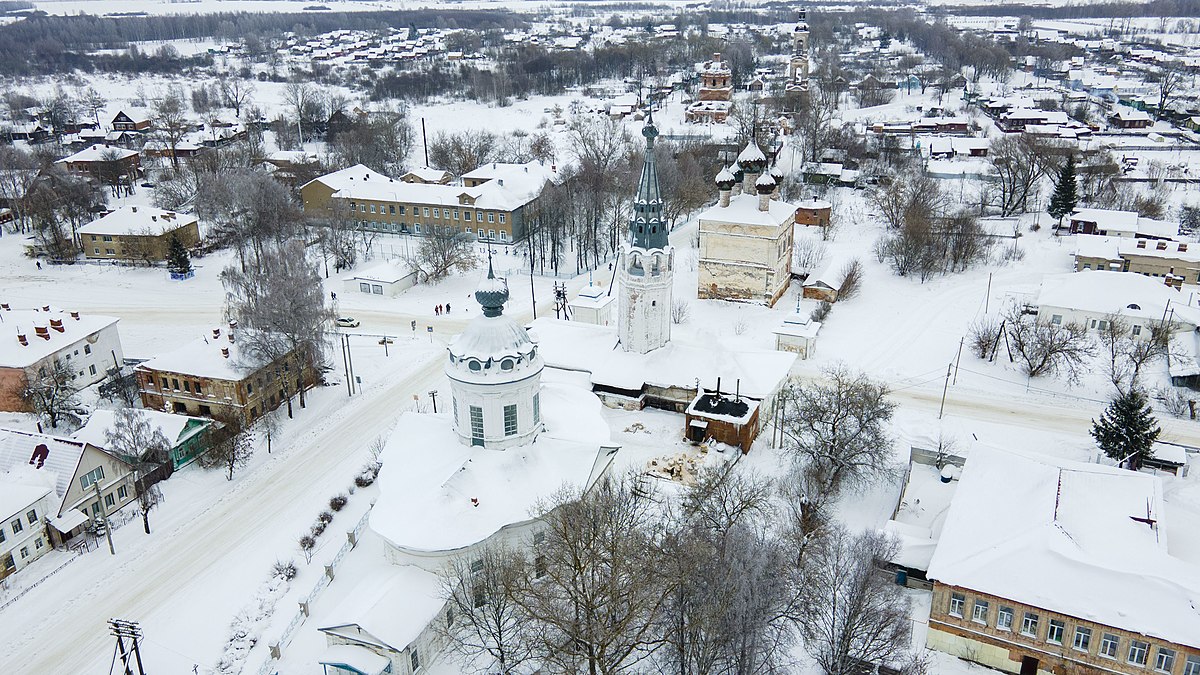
[[981, 335], [287, 570], [307, 544], [337, 502], [317, 529], [325, 517], [852, 277], [367, 475], [821, 311]]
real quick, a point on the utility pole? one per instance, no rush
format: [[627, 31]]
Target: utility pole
[[346, 366], [945, 387], [127, 630], [350, 362], [104, 518], [433, 395], [425, 141], [988, 298], [958, 358]]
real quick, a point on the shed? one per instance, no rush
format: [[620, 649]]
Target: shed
[[732, 420], [798, 335], [593, 305], [386, 279]]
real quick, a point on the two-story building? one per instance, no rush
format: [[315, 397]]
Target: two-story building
[[33, 341], [491, 203], [131, 120], [187, 436], [1169, 260], [104, 163], [216, 377], [138, 233], [1046, 565], [1110, 223], [87, 482], [23, 510]]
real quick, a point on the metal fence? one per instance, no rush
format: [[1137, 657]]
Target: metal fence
[[289, 632]]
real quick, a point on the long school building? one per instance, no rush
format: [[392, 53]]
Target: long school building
[[491, 203]]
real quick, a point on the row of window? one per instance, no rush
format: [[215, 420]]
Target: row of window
[[1137, 652], [17, 526], [510, 418], [38, 543], [401, 228], [1088, 266], [110, 500], [1094, 324], [188, 386], [427, 212]]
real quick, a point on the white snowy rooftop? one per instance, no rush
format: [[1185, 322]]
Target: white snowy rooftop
[[1112, 248], [577, 346], [171, 425], [593, 297], [743, 210], [15, 497], [437, 494], [138, 220], [392, 604], [99, 153], [24, 322], [1125, 293], [1061, 535], [19, 453], [203, 357], [508, 186], [385, 272]]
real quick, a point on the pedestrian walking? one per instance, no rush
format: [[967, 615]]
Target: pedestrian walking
[[447, 308], [39, 264]]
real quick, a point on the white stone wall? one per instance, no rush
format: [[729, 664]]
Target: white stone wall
[[492, 398], [743, 262], [644, 314]]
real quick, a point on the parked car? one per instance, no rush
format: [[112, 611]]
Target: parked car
[[347, 322]]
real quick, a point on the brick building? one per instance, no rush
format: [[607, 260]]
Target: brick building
[[1047, 565], [715, 97], [1152, 258], [814, 211], [213, 377], [138, 233]]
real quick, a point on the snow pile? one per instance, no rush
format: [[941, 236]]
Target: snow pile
[[249, 622]]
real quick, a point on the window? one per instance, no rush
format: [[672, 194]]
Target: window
[[956, 604], [187, 386], [32, 516], [196, 387], [94, 476], [362, 208], [1103, 325], [506, 364], [537, 408], [401, 210], [476, 425], [1192, 666], [2, 535], [392, 209], [122, 492], [17, 525], [109, 251], [1054, 632], [437, 213], [1083, 638], [510, 420], [24, 552], [1029, 624], [92, 369], [426, 211], [501, 217], [1108, 645], [249, 387], [175, 384], [95, 508], [372, 208], [1137, 330], [417, 227], [108, 238], [96, 251], [1056, 319], [481, 233], [1164, 662], [980, 612], [1005, 619], [165, 385], [467, 216], [415, 659], [38, 544], [456, 214], [1137, 652], [491, 217], [491, 234], [109, 500], [503, 235], [205, 410]]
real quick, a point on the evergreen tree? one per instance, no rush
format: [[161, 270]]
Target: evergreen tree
[[1065, 196], [178, 260], [1127, 429]]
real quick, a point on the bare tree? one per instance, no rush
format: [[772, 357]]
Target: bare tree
[[229, 453], [908, 194], [595, 593], [1114, 332], [283, 305], [464, 151], [1019, 162], [235, 92], [442, 251], [840, 426], [1045, 347], [93, 102], [1170, 78], [382, 139], [482, 612], [52, 394], [853, 618], [808, 253], [852, 279], [171, 123], [132, 435]]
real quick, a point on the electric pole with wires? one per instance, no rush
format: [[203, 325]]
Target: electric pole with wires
[[127, 633]]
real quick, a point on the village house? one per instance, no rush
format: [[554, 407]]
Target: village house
[[715, 97], [1124, 117], [24, 508], [188, 436], [427, 175], [491, 203], [142, 233], [34, 341], [105, 163], [1170, 260], [87, 482], [816, 212], [213, 377], [1109, 223], [131, 120], [1089, 298], [746, 239], [594, 305], [1046, 565]]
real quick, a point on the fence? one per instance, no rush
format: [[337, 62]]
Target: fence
[[289, 632], [39, 582]]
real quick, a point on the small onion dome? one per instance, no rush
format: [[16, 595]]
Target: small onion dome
[[752, 159], [492, 293], [649, 131], [765, 184], [777, 173], [736, 170], [725, 180]]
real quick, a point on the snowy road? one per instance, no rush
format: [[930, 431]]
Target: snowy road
[[240, 528]]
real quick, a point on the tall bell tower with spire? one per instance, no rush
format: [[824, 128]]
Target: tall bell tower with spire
[[646, 272]]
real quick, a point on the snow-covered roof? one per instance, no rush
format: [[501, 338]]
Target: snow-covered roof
[[1127, 114], [16, 498], [797, 325], [19, 454], [374, 605], [510, 187], [592, 296], [170, 424], [360, 659], [573, 345], [1125, 293], [99, 153], [1061, 535], [24, 321], [138, 220], [466, 494], [427, 174], [1112, 248], [203, 357], [385, 272], [1107, 219], [743, 210]]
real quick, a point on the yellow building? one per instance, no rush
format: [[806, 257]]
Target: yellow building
[[138, 233], [1170, 260], [491, 203]]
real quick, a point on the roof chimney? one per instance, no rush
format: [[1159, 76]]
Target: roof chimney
[[216, 333], [133, 208], [22, 339], [4, 306], [56, 324], [42, 332], [45, 308], [225, 352], [231, 337], [75, 315]]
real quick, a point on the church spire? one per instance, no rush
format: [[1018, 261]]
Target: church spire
[[647, 228], [492, 292]]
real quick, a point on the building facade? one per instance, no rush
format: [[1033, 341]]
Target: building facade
[[35, 341], [646, 269], [798, 65], [714, 99], [23, 513], [141, 233], [1153, 258], [104, 163]]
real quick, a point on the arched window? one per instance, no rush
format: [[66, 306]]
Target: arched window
[[1134, 306], [475, 365]]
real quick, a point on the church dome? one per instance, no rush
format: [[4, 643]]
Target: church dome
[[751, 158], [494, 348]]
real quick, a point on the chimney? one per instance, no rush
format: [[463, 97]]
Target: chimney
[[57, 325], [225, 352], [75, 315], [42, 332], [216, 333], [133, 209], [22, 339], [231, 337], [718, 387], [4, 306], [45, 308]]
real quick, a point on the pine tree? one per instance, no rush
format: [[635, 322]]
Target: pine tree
[[178, 261], [1127, 429], [1065, 196]]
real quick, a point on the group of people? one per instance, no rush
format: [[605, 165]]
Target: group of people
[[441, 309]]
